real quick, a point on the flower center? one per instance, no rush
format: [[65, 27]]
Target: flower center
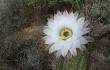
[[65, 33]]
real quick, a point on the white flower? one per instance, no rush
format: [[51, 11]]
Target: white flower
[[65, 32]]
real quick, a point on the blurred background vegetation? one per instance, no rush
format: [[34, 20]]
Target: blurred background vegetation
[[21, 25]]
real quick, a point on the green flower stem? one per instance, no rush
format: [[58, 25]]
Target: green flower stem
[[75, 63]]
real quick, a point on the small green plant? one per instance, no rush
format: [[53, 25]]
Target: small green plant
[[95, 9], [76, 4], [101, 9]]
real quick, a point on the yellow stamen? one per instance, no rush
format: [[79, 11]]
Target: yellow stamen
[[65, 33]]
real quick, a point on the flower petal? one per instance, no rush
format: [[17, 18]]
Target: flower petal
[[55, 47], [83, 47], [48, 41], [44, 38], [73, 51], [58, 54], [89, 39], [81, 19], [59, 13], [65, 13], [68, 45], [86, 23], [64, 52], [76, 15], [86, 30], [76, 44], [83, 40], [81, 22]]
